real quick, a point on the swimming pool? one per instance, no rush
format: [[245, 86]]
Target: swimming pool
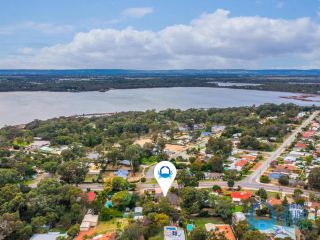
[[262, 224]]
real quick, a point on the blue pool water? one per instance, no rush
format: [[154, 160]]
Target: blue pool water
[[261, 224]]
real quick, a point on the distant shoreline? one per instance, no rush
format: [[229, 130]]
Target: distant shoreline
[[94, 80], [244, 87]]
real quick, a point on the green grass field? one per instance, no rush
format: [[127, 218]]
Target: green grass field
[[201, 221], [111, 226]]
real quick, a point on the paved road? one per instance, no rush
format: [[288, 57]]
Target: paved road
[[251, 182], [255, 176]]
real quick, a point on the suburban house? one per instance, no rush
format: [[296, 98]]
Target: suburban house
[[125, 163], [241, 164], [301, 145], [199, 126], [249, 158], [274, 201], [238, 217], [94, 169], [209, 175], [37, 144], [138, 215], [314, 209], [217, 128], [308, 134], [93, 156], [238, 197], [47, 236], [173, 233], [89, 220], [122, 173], [285, 169], [225, 229], [91, 196], [282, 232]]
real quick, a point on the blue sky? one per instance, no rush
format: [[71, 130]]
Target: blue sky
[[159, 34]]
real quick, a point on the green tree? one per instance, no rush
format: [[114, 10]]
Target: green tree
[[198, 234], [135, 153], [216, 188], [314, 178], [254, 234], [121, 199], [223, 208], [72, 171], [283, 180], [264, 179], [132, 232], [118, 184], [241, 228], [160, 219], [249, 142], [192, 199], [262, 193], [186, 179], [216, 163], [230, 183], [8, 176], [221, 146], [50, 167], [73, 231]]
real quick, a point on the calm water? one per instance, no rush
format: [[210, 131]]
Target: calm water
[[23, 107]]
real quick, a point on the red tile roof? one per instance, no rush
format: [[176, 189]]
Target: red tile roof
[[308, 134], [288, 167], [91, 196], [241, 163], [241, 195], [301, 145], [274, 201], [226, 230]]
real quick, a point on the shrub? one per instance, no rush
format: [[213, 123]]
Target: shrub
[[264, 179], [109, 213], [284, 180]]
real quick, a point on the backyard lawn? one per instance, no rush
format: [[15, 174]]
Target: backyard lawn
[[111, 226], [91, 178], [201, 221]]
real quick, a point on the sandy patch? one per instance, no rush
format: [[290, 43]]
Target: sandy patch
[[143, 141], [175, 148]]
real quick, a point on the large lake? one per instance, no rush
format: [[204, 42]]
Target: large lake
[[23, 107]]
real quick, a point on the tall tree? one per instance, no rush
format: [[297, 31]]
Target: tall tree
[[72, 171]]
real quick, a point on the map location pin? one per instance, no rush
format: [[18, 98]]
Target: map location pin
[[165, 173]]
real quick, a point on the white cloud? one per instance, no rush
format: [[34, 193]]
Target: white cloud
[[25, 50], [138, 12], [213, 40], [48, 28]]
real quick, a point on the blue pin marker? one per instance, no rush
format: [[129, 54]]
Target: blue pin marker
[[165, 173]]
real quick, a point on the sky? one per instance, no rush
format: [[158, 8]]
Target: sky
[[159, 34]]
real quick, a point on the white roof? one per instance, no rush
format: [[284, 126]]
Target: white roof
[[138, 209], [239, 216], [47, 236], [86, 225], [210, 227], [90, 218]]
